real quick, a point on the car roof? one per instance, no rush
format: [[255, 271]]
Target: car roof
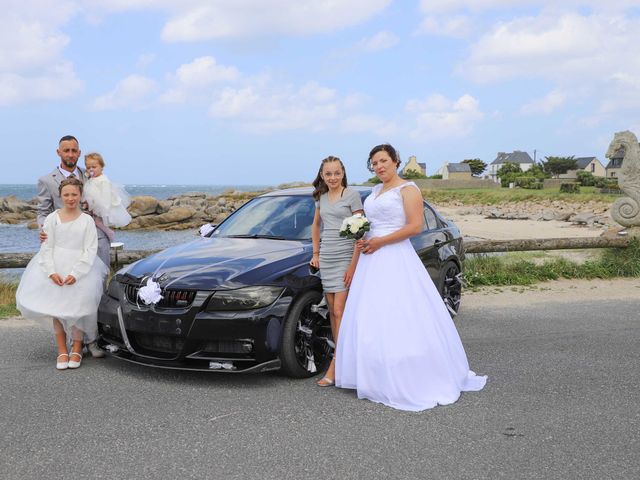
[[305, 191]]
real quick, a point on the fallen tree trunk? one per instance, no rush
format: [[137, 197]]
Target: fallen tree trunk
[[20, 260], [490, 246], [123, 257]]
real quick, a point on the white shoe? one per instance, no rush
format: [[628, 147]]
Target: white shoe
[[62, 365], [73, 363], [95, 350]]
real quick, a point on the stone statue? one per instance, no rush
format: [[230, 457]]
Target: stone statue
[[626, 210]]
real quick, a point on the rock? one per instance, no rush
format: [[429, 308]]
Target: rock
[[175, 214], [143, 205], [583, 218], [563, 216], [548, 215], [494, 213], [13, 204], [164, 206]]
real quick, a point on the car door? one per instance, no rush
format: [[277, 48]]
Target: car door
[[428, 243]]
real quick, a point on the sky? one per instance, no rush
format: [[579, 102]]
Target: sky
[[252, 92]]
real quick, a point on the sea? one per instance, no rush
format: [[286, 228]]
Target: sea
[[18, 238]]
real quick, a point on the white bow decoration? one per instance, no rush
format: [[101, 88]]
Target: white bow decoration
[[150, 293]]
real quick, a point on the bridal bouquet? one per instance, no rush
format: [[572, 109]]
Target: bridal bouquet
[[355, 226]]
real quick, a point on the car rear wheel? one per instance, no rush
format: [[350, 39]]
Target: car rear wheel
[[306, 338], [451, 287]]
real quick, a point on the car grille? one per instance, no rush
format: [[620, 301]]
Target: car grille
[[227, 346], [170, 298], [158, 343]]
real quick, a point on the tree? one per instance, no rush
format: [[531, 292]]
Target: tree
[[412, 174], [477, 166], [508, 172], [559, 165]]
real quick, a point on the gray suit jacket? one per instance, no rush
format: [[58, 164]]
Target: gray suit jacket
[[48, 194], [49, 200]]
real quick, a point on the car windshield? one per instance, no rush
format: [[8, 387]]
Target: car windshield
[[279, 217]]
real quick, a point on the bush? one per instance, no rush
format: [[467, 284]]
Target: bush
[[435, 177], [412, 174], [569, 188], [530, 183], [586, 179], [374, 180]]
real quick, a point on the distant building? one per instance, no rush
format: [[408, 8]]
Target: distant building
[[586, 164], [519, 158], [456, 171], [615, 163], [414, 165]]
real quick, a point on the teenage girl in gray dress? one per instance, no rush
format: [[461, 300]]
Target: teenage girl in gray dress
[[334, 255]]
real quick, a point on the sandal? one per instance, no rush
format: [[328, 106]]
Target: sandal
[[62, 365], [73, 363], [325, 382]]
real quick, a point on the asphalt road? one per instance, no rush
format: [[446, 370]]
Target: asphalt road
[[561, 402]]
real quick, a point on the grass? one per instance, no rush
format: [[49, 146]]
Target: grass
[[496, 196], [517, 269], [8, 299]]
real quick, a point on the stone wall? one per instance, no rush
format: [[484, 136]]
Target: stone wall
[[434, 184]]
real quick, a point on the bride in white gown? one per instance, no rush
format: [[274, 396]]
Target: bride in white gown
[[398, 345]]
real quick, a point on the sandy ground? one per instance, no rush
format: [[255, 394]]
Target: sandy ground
[[555, 291], [477, 226]]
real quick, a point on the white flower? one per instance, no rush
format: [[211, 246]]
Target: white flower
[[354, 228]]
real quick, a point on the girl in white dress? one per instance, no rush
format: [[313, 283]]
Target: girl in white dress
[[63, 282], [106, 200], [398, 345]]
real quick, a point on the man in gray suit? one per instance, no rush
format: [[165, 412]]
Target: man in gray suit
[[49, 200]]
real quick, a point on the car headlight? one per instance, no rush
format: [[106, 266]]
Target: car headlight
[[247, 298], [113, 289]]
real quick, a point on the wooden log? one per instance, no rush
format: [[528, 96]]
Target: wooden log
[[20, 260], [490, 246]]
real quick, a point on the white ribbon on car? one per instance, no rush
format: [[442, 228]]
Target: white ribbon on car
[[151, 292]]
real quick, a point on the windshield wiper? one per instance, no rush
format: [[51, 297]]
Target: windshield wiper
[[255, 235]]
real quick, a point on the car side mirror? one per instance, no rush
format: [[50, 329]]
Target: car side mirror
[[206, 229]]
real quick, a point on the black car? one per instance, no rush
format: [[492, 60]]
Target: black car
[[243, 299]]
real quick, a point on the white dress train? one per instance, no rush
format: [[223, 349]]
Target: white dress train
[[397, 344], [70, 249]]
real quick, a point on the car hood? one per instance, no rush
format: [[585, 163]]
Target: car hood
[[209, 263]]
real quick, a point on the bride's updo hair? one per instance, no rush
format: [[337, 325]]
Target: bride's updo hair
[[385, 147], [319, 183], [70, 181]]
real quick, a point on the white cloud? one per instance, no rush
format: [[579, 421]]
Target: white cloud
[[266, 107], [204, 20], [446, 6], [437, 117], [51, 83], [191, 80], [32, 66], [380, 41], [567, 48], [545, 105], [457, 26], [132, 92], [363, 123]]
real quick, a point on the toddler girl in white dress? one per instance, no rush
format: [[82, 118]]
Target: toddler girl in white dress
[[105, 199]]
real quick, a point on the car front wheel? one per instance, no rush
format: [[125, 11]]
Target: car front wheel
[[306, 338]]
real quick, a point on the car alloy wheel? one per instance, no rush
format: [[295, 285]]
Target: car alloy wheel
[[451, 287], [306, 346]]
